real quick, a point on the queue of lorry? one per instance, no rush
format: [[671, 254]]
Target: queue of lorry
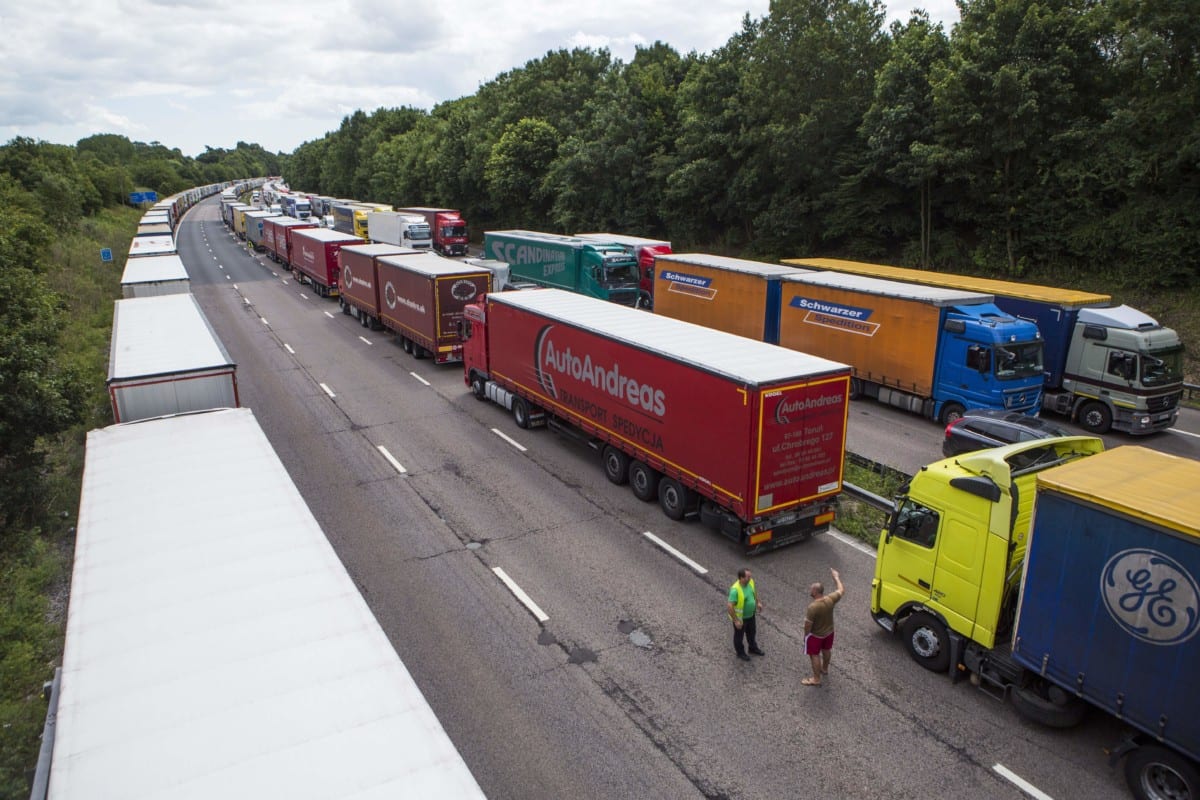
[[1054, 574]]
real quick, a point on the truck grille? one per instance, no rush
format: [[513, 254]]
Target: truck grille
[[1162, 403], [624, 298], [1020, 400]]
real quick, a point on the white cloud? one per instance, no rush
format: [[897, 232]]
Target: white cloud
[[191, 73]]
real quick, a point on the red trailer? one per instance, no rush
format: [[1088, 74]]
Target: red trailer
[[276, 236], [313, 255], [422, 296], [359, 285], [448, 227], [749, 436]]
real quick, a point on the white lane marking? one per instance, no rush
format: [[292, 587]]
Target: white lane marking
[[220, 266], [328, 391], [857, 544], [235, 286], [1022, 784], [391, 460], [228, 277], [285, 282], [245, 300], [365, 340], [288, 347], [264, 321], [214, 258], [674, 552], [329, 315], [501, 434], [519, 593], [1184, 433], [303, 296], [418, 377], [276, 274]]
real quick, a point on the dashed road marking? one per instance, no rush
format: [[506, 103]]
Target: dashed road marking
[[672, 551], [365, 340], [418, 377], [391, 459], [519, 593], [506, 438], [327, 390], [1022, 784]]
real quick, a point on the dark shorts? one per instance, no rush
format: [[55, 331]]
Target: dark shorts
[[813, 645]]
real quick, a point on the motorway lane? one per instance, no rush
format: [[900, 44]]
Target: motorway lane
[[578, 707]]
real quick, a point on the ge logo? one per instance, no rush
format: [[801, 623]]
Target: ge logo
[[389, 295], [347, 277], [1151, 596]]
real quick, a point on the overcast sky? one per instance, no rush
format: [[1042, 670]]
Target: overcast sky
[[196, 73]]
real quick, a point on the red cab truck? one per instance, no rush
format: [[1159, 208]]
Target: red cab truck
[[645, 250], [416, 294], [313, 255], [448, 227], [277, 236], [748, 436]]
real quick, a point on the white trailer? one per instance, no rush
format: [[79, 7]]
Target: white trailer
[[166, 359], [402, 230], [216, 646], [155, 275]]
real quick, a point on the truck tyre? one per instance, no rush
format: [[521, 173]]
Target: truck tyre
[[1095, 417], [616, 465], [1156, 773], [520, 412], [855, 388], [950, 413], [1049, 705], [927, 641], [345, 307], [644, 481], [406, 344], [478, 386], [674, 498]]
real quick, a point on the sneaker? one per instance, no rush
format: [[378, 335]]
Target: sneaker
[[743, 656], [756, 651]]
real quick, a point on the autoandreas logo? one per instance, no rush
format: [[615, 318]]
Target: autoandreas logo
[[553, 363], [786, 406], [463, 290], [1151, 596]]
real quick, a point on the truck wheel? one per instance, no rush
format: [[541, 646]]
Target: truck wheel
[[855, 388], [1095, 418], [674, 498], [478, 387], [345, 307], [406, 344], [616, 465], [1049, 705], [644, 481], [1156, 773], [927, 641], [950, 413], [520, 412]]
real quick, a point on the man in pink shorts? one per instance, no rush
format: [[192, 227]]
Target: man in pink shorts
[[818, 627]]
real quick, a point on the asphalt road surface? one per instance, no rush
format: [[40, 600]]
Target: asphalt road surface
[[629, 687]]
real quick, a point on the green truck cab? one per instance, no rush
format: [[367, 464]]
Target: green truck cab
[[949, 561], [595, 269]]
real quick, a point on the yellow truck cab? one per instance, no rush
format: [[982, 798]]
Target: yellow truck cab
[[949, 561]]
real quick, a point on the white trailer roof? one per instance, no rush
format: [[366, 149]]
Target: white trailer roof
[[327, 235], [151, 245], [932, 295], [736, 357], [379, 249], [726, 263], [432, 264], [154, 269], [622, 239], [164, 335], [216, 646]]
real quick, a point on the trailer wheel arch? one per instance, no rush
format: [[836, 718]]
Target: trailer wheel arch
[[1154, 772], [616, 465], [1046, 704], [643, 479]]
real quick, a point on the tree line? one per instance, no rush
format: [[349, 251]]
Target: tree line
[[1048, 137]]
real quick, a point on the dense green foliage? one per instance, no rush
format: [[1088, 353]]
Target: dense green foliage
[[1033, 138]]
